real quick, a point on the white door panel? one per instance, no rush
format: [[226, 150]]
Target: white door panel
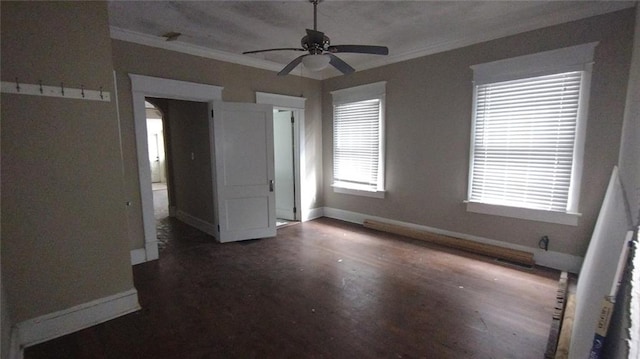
[[244, 143], [244, 170], [247, 213]]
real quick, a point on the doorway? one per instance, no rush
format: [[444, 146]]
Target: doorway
[[146, 86], [285, 168], [157, 160], [292, 192]]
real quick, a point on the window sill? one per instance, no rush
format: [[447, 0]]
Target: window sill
[[569, 219], [358, 192]]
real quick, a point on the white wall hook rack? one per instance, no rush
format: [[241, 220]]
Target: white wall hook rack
[[55, 91]]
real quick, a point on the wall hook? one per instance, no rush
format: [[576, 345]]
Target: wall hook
[[101, 95], [17, 85], [62, 88], [82, 90], [41, 89]]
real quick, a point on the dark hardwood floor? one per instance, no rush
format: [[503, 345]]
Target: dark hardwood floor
[[321, 289]]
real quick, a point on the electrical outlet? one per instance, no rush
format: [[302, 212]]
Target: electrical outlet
[[544, 243]]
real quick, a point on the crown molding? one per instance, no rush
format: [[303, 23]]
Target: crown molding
[[501, 32], [159, 42]]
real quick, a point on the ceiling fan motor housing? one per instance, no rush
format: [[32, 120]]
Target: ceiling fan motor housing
[[315, 48], [317, 43]]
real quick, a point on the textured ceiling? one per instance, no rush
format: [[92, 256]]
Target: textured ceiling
[[408, 28]]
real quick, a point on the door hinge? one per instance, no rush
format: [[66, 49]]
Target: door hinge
[[295, 210], [218, 228], [211, 113], [292, 118]]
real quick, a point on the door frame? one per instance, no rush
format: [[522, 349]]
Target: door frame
[[147, 86], [297, 106], [292, 167]]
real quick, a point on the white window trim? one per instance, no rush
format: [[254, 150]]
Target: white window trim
[[358, 192], [568, 218], [575, 58], [375, 90]]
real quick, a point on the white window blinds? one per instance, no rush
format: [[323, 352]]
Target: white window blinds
[[356, 144], [523, 141]]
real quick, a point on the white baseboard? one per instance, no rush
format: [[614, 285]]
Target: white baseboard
[[348, 216], [550, 259], [15, 350], [198, 223], [557, 260], [146, 254], [151, 249], [312, 213], [138, 256], [53, 325]]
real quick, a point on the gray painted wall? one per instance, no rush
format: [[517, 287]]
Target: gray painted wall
[[630, 141], [616, 345], [428, 119], [191, 176], [64, 235]]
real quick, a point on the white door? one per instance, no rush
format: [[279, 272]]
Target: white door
[[283, 149], [156, 148], [154, 158], [245, 183]]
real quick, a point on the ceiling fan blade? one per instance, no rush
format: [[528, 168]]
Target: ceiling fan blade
[[360, 49], [340, 65], [315, 36], [292, 65], [279, 49]]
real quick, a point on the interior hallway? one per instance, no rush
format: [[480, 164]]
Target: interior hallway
[[323, 288], [160, 200]]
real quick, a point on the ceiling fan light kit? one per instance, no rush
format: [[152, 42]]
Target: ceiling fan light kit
[[321, 53], [316, 62]]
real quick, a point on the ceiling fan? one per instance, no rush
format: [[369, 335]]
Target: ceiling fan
[[321, 52]]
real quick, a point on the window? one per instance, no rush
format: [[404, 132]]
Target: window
[[358, 140], [528, 134]]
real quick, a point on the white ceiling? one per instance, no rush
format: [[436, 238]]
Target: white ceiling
[[224, 29]]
